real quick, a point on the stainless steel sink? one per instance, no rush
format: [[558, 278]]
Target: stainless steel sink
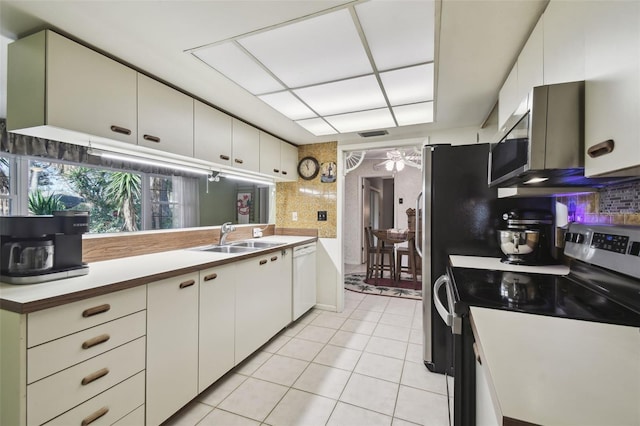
[[256, 244], [227, 249]]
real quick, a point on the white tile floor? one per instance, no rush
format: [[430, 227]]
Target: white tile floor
[[362, 366]]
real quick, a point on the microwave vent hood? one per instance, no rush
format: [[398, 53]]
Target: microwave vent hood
[[543, 138]]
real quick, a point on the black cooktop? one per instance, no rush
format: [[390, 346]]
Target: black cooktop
[[559, 296]]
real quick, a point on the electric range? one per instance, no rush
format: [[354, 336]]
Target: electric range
[[602, 284]]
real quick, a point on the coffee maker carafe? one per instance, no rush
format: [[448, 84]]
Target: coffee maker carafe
[[525, 237], [42, 248]]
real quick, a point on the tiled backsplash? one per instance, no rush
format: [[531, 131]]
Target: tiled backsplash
[[307, 197], [617, 204]]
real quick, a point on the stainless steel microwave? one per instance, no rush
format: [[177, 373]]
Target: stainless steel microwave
[[544, 140]]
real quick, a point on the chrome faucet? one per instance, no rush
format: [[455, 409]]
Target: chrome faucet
[[226, 228]]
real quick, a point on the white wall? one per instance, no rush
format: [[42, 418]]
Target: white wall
[[407, 185]]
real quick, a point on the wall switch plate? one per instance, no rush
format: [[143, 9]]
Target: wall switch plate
[[257, 232], [294, 216], [322, 215]]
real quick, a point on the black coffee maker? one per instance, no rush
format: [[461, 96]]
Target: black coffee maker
[[42, 248], [525, 237]]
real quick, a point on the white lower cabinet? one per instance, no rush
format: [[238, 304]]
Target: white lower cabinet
[[485, 413], [172, 345], [263, 305], [216, 324]]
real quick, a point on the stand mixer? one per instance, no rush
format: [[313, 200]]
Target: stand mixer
[[525, 237]]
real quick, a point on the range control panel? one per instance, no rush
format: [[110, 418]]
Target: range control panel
[[609, 246]]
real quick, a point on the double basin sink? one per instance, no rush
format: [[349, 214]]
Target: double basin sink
[[239, 247]]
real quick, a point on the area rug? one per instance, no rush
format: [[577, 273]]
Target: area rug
[[356, 282]]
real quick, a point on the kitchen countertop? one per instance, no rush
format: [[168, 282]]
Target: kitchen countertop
[[118, 274], [547, 370], [494, 263]]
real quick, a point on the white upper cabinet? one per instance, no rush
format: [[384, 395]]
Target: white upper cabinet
[[530, 69], [288, 162], [212, 134], [269, 154], [564, 42], [508, 97], [246, 146], [165, 117], [612, 88], [58, 83]]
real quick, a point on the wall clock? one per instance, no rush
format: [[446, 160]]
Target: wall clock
[[308, 168]]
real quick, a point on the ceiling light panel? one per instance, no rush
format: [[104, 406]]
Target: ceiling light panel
[[289, 105], [409, 85], [355, 94], [363, 120], [312, 51], [414, 114], [317, 126], [399, 33], [230, 60]]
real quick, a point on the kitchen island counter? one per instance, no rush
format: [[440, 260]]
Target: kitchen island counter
[[547, 370], [118, 274]]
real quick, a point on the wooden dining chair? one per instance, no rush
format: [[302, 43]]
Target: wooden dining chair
[[412, 257], [371, 251]]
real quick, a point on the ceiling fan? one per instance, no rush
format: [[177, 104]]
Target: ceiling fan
[[397, 159]]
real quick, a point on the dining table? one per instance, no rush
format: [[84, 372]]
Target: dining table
[[394, 236]]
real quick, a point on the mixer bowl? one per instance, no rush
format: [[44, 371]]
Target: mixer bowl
[[518, 242]]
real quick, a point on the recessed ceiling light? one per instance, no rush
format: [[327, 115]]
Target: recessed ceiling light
[[363, 120], [409, 85], [536, 180], [414, 114], [317, 126]]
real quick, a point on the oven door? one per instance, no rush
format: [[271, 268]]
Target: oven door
[[464, 390]]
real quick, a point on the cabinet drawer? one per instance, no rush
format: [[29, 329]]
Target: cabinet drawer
[[49, 358], [134, 418], [64, 390], [106, 408], [49, 324]]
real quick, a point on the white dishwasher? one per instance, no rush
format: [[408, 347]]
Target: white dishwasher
[[304, 279]]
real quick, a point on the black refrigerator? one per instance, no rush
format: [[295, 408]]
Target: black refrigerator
[[459, 215]]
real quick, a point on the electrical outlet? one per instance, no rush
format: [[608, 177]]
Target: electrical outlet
[[322, 215], [257, 232], [294, 216]]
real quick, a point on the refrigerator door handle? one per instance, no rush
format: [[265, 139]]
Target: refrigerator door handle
[[446, 316], [418, 246]]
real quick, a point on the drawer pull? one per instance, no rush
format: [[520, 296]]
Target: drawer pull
[[263, 261], [95, 416], [187, 284], [274, 258], [238, 160], [96, 310], [94, 376], [276, 171], [151, 138], [224, 157], [122, 130], [95, 341], [601, 148], [284, 172], [210, 277]]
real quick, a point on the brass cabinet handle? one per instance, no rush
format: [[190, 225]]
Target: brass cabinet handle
[[95, 416], [95, 341], [151, 138], [224, 157], [601, 148], [122, 130], [94, 376], [96, 310], [276, 171], [274, 258], [238, 160], [284, 172], [263, 261], [210, 277], [186, 284]]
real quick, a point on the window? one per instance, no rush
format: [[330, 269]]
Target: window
[[117, 200]]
